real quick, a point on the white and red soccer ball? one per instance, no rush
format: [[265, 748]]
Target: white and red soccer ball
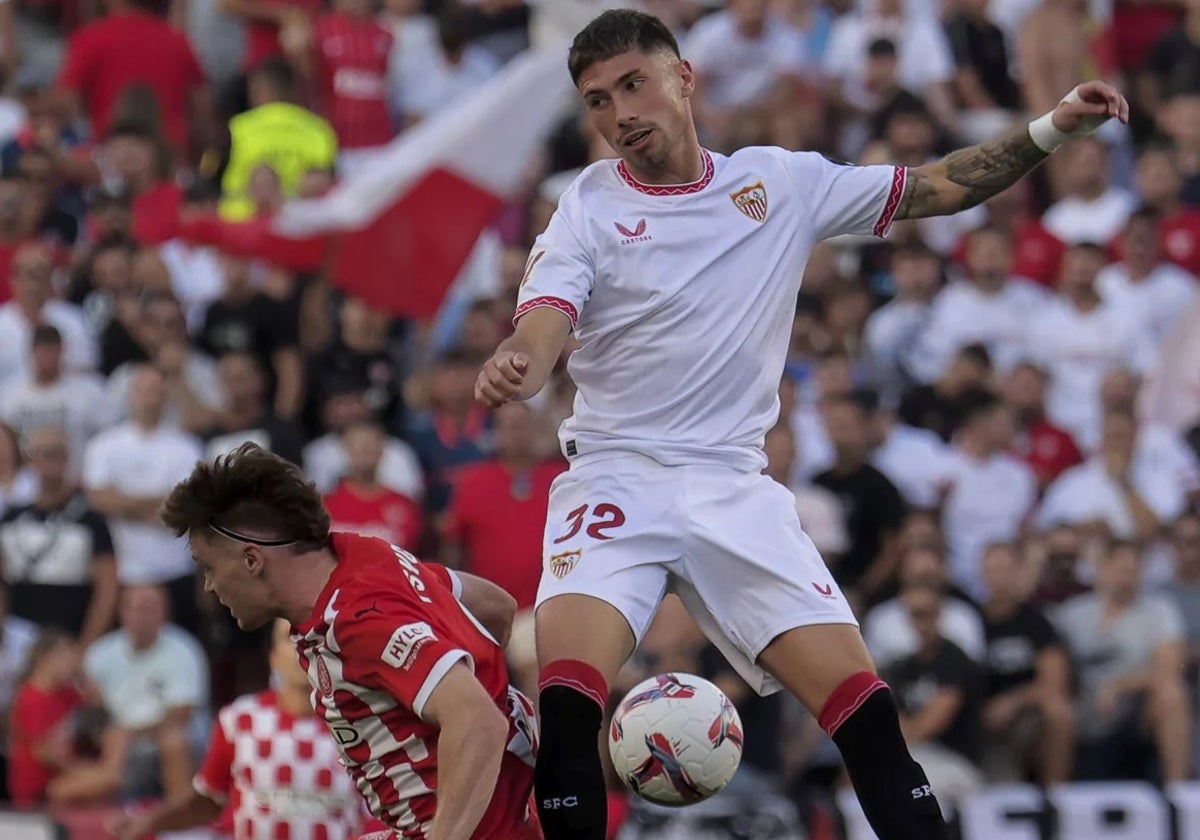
[[675, 739]]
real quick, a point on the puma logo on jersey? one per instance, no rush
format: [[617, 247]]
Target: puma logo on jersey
[[638, 234]]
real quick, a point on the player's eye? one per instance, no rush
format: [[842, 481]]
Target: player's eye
[[635, 83], [596, 102]]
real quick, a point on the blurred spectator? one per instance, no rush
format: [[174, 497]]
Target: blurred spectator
[[982, 84], [128, 470], [1128, 651], [13, 228], [276, 132], [190, 378], [1174, 60], [1055, 49], [1037, 253], [57, 552], [266, 22], [455, 431], [748, 62], [33, 303], [893, 329], [939, 406], [132, 46], [362, 504], [1077, 338], [152, 681], [18, 483], [326, 459], [873, 507], [1160, 186], [246, 415], [1046, 448], [41, 733], [888, 629], [107, 293], [940, 694], [498, 508], [1153, 291], [1135, 482], [916, 460], [1171, 395], [1185, 590], [360, 354], [925, 63], [1027, 707], [430, 81], [349, 59], [991, 492], [245, 318], [1090, 209], [74, 403], [270, 766], [1179, 119], [990, 308], [1058, 564], [42, 204], [819, 510], [17, 637]]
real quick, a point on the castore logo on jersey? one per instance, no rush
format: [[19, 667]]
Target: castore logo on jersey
[[638, 234]]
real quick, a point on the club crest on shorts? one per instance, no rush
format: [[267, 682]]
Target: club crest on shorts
[[752, 201], [562, 564]]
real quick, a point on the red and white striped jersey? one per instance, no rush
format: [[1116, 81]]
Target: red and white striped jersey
[[280, 774], [384, 632], [352, 71]]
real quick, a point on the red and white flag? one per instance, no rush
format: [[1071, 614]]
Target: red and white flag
[[399, 228]]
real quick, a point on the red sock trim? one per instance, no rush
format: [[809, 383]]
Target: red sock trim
[[847, 698], [577, 676]]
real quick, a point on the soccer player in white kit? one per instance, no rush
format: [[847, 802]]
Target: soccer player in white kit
[[678, 269]]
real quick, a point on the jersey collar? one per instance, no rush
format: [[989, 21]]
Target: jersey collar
[[669, 189]]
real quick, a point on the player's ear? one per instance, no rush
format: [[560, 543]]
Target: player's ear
[[687, 78], [253, 557]]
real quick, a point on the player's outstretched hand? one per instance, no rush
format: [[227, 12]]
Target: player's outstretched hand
[[1089, 106], [501, 378]]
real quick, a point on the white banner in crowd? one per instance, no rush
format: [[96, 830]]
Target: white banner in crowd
[[1078, 811]]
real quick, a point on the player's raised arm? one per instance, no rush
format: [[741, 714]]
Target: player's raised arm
[[472, 739], [970, 176]]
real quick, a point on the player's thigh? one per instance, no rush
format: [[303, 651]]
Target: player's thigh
[[611, 538], [763, 593]]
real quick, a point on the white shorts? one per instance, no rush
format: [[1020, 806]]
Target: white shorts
[[627, 530]]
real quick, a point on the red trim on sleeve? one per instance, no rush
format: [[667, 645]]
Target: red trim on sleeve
[[563, 306], [899, 178]]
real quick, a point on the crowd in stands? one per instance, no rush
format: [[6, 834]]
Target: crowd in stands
[[991, 421]]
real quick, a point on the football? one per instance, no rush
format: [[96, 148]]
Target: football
[[675, 739]]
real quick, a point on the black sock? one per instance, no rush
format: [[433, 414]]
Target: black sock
[[892, 788], [569, 780]]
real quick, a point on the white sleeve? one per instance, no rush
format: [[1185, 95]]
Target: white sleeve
[[97, 469], [559, 272], [848, 199]]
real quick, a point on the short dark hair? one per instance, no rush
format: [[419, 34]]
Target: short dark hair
[[250, 490], [46, 334], [279, 74], [976, 403], [1146, 214], [617, 31], [977, 353]]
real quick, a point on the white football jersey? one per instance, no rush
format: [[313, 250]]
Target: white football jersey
[[682, 297]]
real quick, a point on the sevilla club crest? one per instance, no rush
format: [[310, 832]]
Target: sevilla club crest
[[752, 201], [562, 564]]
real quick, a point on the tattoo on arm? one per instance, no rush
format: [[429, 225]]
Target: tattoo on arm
[[978, 172]]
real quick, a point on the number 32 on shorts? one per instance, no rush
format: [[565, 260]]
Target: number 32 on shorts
[[600, 519]]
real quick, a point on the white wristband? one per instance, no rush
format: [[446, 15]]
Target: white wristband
[[1047, 136]]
